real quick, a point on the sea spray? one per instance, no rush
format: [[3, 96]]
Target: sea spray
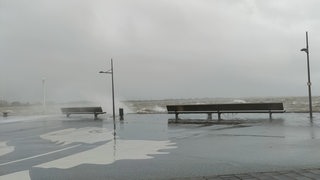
[[291, 104]]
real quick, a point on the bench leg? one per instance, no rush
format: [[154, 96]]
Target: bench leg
[[95, 116], [209, 116], [68, 115], [270, 115], [177, 117], [219, 116]]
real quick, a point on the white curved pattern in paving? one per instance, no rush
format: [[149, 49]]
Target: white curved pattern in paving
[[104, 154], [5, 149], [22, 175], [82, 135]]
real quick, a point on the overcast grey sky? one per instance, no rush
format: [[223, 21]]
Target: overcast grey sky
[[161, 48]]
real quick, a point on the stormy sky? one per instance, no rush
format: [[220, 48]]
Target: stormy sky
[[161, 48]]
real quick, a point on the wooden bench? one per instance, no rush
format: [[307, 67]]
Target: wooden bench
[[83, 110], [226, 108]]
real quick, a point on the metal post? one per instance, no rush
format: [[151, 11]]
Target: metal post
[[270, 115], [219, 115], [309, 81], [113, 104], [44, 94], [177, 116], [121, 113]]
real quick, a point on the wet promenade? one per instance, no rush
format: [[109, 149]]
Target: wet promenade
[[147, 147], [302, 174]]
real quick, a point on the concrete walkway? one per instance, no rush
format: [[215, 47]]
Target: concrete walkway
[[303, 174], [146, 147]]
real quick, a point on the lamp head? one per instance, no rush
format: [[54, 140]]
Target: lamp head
[[106, 72], [304, 49]]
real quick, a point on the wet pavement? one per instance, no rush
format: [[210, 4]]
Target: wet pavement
[[302, 174], [147, 147]]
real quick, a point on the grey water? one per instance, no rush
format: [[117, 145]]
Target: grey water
[[291, 104]]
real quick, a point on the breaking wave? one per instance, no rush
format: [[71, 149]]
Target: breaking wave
[[291, 104], [239, 101], [155, 109]]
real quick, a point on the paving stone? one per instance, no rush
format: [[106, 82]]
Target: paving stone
[[314, 171], [214, 178], [295, 175], [229, 177], [245, 176], [283, 177], [311, 175], [302, 178], [262, 176], [302, 174], [271, 175]]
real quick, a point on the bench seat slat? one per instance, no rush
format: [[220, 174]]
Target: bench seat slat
[[82, 110], [226, 108], [246, 111]]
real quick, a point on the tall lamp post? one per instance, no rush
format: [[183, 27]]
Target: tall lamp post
[[113, 106], [306, 50], [44, 94]]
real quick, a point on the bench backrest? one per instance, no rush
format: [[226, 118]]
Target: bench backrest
[[81, 109], [226, 107]]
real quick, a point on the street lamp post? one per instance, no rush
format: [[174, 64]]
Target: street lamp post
[[306, 50], [113, 106], [44, 94]]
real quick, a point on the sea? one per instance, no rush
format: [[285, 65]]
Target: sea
[[296, 104], [291, 104]]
